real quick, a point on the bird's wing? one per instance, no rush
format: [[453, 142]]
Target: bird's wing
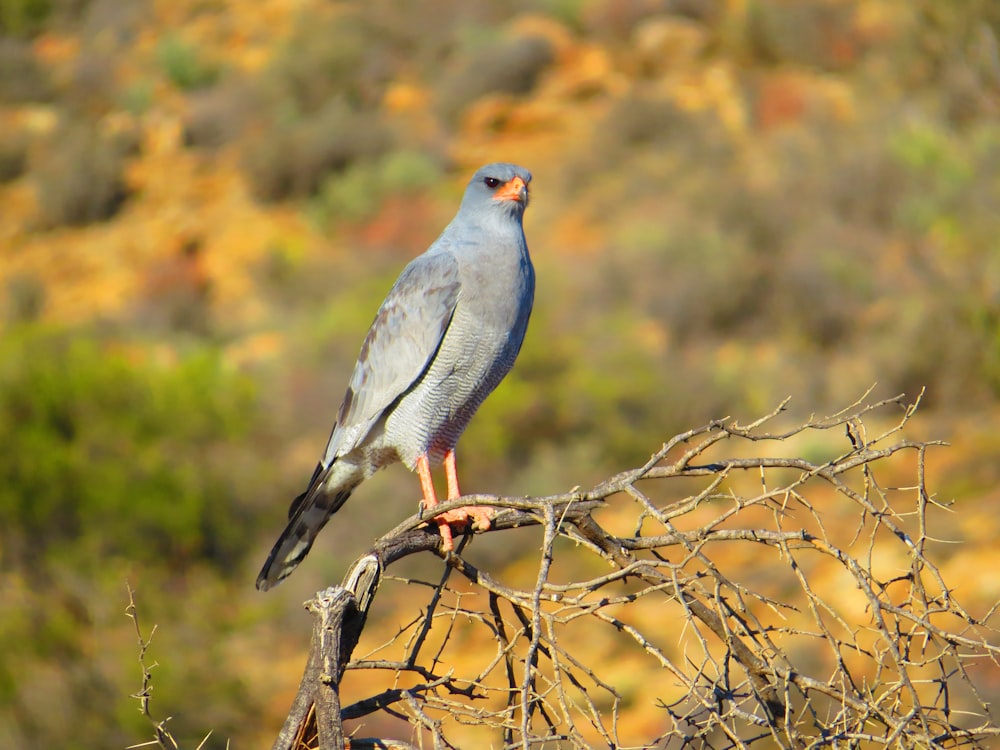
[[400, 344], [402, 341]]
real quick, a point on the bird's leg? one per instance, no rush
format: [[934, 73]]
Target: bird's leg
[[451, 474], [430, 500], [479, 515]]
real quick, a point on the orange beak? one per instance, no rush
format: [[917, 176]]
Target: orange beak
[[515, 190]]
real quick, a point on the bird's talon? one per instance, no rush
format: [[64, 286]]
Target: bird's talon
[[447, 542], [479, 517]]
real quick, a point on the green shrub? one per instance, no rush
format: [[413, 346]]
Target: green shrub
[[185, 65], [23, 17], [356, 193], [110, 454], [137, 97]]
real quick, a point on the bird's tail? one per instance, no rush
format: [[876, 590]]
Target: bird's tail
[[308, 514]]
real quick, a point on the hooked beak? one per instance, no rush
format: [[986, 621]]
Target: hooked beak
[[515, 190]]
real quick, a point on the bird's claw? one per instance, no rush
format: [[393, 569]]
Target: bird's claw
[[478, 516]]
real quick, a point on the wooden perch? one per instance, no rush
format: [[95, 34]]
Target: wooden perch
[[340, 613]]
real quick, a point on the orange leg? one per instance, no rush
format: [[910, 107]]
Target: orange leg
[[451, 472], [426, 483], [430, 500]]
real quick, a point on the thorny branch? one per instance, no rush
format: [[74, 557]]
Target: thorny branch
[[162, 736], [773, 601]]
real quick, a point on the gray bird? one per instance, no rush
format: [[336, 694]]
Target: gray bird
[[442, 340]]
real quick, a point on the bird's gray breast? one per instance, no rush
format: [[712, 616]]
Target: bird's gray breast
[[477, 351]]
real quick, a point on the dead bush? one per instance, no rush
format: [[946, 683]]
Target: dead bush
[[79, 175]]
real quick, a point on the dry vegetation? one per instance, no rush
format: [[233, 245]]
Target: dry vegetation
[[201, 204]]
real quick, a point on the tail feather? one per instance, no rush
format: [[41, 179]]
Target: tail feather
[[307, 516]]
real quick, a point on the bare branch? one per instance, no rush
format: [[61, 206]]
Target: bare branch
[[786, 602]]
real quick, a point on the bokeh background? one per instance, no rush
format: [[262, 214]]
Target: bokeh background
[[202, 202]]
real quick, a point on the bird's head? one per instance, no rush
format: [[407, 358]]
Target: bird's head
[[500, 188]]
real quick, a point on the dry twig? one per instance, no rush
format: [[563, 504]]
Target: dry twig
[[162, 736]]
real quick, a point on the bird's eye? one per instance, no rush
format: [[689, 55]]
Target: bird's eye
[[492, 182]]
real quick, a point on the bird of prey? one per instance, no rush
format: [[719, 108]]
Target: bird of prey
[[443, 339]]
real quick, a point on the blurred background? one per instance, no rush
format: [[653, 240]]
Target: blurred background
[[202, 203]]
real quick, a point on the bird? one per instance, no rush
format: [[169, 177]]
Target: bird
[[447, 333]]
